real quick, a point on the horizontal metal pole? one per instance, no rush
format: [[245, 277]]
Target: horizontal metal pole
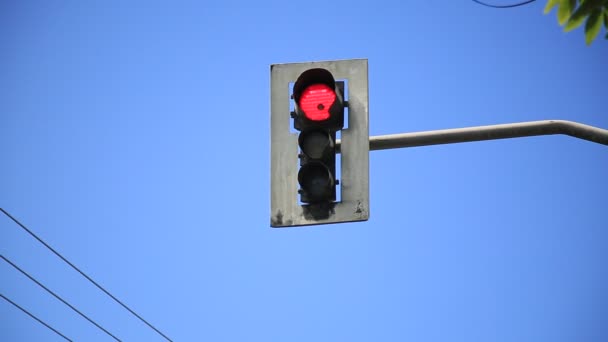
[[492, 132]]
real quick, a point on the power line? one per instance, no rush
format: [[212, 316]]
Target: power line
[[34, 317], [83, 274], [59, 298], [504, 6]]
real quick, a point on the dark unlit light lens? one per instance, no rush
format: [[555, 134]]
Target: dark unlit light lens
[[314, 144], [316, 180]]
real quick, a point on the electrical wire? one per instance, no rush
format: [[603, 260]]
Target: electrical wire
[[504, 6], [83, 274], [59, 298], [34, 317]]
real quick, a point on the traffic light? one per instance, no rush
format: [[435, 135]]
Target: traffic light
[[318, 114], [309, 104]]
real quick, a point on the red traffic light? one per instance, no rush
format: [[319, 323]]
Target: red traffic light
[[316, 100]]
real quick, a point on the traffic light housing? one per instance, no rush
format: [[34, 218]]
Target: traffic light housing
[[318, 114], [312, 104], [318, 101]]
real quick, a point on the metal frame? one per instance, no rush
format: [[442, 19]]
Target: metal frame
[[354, 181], [492, 132]]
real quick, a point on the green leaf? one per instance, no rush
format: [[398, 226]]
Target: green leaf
[[588, 6], [550, 5], [606, 18], [581, 13], [593, 26], [574, 22], [565, 10]]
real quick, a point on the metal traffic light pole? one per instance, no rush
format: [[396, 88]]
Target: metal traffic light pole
[[492, 132], [307, 187], [310, 184]]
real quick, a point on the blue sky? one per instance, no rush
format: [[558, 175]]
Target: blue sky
[[135, 141]]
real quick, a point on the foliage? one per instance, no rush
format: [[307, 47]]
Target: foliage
[[573, 13]]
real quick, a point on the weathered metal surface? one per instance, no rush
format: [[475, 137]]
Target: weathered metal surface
[[285, 211]]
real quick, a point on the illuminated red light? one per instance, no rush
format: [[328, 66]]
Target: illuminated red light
[[316, 100]]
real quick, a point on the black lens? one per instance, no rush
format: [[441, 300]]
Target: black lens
[[316, 180], [315, 144]]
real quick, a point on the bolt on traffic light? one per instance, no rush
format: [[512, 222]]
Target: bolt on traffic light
[[318, 114], [303, 152]]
